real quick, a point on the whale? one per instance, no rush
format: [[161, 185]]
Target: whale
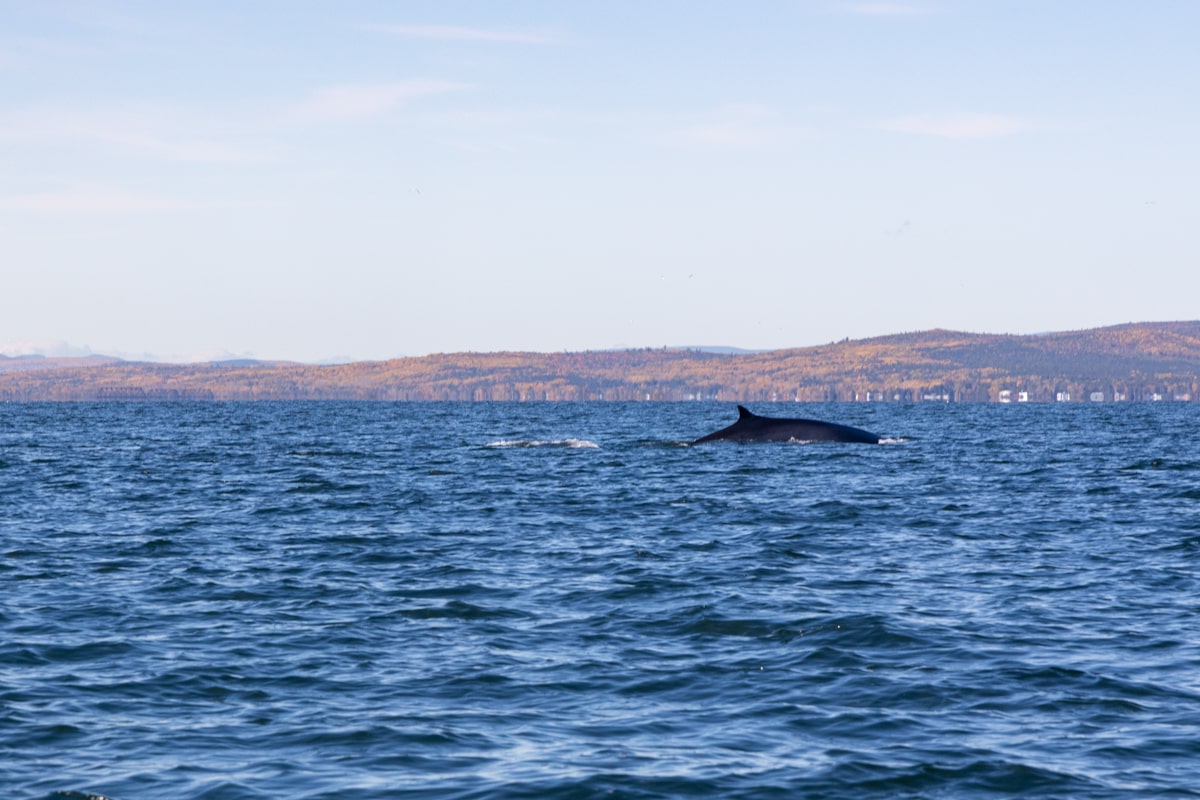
[[750, 427]]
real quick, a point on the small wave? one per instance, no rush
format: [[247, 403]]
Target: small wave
[[567, 443], [885, 440]]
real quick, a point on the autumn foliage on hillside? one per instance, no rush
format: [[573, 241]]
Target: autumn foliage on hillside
[[1133, 362]]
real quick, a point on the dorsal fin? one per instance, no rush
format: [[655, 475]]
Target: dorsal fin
[[744, 413]]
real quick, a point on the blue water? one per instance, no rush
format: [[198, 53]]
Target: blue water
[[309, 600]]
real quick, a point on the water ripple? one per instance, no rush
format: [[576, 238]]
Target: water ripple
[[502, 601]]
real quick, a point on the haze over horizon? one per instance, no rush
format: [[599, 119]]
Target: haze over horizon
[[367, 180]]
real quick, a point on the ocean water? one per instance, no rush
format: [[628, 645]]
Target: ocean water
[[377, 600]]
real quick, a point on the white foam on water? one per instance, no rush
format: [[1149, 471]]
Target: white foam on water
[[567, 443]]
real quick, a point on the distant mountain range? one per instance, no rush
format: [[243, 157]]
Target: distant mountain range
[[30, 363], [1140, 361], [36, 362]]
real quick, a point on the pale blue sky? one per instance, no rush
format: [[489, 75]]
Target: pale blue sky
[[368, 179]]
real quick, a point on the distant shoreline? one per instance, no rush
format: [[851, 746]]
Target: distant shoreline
[[1151, 362]]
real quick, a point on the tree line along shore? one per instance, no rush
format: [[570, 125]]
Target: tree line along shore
[[1133, 362]]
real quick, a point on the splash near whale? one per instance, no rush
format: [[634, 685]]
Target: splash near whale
[[750, 427]]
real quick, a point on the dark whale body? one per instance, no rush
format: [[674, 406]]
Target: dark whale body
[[751, 427]]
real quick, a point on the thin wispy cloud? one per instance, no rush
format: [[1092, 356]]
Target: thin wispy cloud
[[959, 125], [466, 34], [740, 127], [110, 21], [153, 133], [88, 199], [885, 9], [348, 103]]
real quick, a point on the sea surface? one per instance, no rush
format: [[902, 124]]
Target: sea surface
[[405, 600]]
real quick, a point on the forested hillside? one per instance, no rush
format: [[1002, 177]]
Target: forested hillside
[[1144, 361]]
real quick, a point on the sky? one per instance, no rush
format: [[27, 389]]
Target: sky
[[369, 179]]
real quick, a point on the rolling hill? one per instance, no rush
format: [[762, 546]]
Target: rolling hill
[[1137, 361]]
